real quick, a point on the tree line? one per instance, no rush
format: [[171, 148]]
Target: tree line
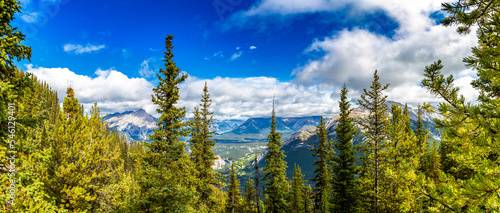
[[70, 161]]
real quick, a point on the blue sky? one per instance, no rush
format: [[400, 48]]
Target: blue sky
[[248, 51]]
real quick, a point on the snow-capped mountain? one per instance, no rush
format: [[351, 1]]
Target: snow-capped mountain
[[138, 125], [135, 125]]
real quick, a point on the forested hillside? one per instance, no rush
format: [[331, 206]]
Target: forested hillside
[[54, 157]]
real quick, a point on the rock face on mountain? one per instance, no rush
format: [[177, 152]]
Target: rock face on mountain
[[296, 146], [136, 125], [219, 163]]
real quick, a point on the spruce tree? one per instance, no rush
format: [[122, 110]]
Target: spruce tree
[[297, 192], [374, 127], [275, 181], [308, 199], [250, 205], [10, 38], [201, 147], [322, 177], [345, 184], [233, 199], [168, 180], [257, 178]]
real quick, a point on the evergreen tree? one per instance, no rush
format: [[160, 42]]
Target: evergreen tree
[[84, 160], [297, 193], [250, 205], [201, 148], [233, 199], [168, 180], [430, 163], [322, 177], [375, 129], [345, 185], [275, 182], [421, 133], [10, 38], [402, 154], [257, 178], [470, 132], [308, 199]]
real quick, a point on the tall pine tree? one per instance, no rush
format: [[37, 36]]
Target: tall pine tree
[[275, 181], [201, 148], [168, 180], [374, 127], [322, 177], [345, 184], [297, 192], [233, 200]]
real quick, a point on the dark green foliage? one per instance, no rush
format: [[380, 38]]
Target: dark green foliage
[[345, 184], [233, 200], [250, 204], [168, 180], [322, 173], [275, 182], [10, 39], [201, 148], [297, 192], [257, 178]]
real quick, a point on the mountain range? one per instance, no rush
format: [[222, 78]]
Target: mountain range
[[138, 125], [296, 146], [257, 129], [298, 134]]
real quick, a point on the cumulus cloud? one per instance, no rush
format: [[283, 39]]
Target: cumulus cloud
[[252, 47], [233, 98], [111, 89], [352, 55], [79, 49], [240, 98]]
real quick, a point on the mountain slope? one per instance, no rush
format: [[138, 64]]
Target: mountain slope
[[258, 128], [136, 125], [296, 146]]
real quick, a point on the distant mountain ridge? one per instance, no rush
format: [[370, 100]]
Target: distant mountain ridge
[[258, 128], [296, 146], [138, 125]]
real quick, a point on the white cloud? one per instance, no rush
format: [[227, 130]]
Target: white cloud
[[235, 98], [30, 17], [148, 67], [219, 54], [79, 49], [111, 89], [236, 55], [252, 47], [351, 56], [240, 98]]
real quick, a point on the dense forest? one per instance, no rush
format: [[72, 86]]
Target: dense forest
[[65, 160]]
